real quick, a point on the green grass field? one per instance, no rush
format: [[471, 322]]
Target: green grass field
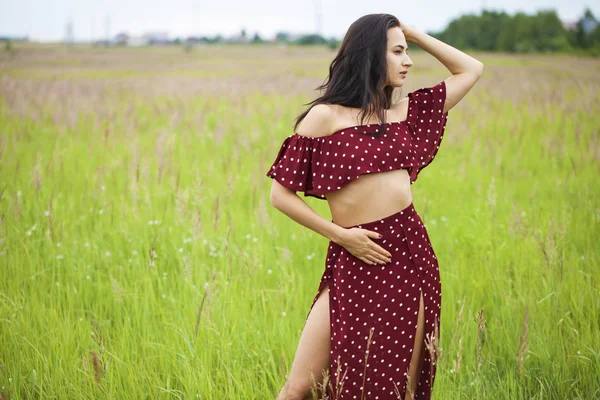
[[140, 257]]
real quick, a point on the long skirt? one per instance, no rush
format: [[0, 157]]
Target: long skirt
[[373, 312]]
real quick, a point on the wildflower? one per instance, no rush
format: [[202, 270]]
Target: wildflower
[[108, 254], [270, 271], [180, 250], [101, 211], [59, 257], [283, 313], [255, 240], [47, 213]]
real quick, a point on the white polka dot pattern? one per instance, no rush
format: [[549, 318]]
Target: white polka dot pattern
[[381, 302], [319, 165]]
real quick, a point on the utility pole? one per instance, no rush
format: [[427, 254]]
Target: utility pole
[[107, 28], [69, 38], [319, 17]]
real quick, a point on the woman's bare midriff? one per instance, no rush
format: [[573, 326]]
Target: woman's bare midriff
[[370, 197]]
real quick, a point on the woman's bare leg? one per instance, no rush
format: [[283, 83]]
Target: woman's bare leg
[[313, 356]]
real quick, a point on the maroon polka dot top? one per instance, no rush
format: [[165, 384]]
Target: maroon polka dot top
[[319, 165]]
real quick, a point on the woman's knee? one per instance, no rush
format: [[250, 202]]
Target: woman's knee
[[297, 390]]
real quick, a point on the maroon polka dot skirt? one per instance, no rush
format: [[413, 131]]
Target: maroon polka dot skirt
[[376, 306]]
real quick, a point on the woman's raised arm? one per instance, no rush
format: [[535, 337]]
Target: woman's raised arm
[[465, 69]]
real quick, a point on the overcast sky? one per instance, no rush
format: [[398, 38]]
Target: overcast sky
[[46, 20]]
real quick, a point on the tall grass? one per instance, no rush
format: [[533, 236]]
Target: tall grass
[[140, 257]]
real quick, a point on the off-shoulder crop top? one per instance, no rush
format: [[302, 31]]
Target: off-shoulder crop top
[[319, 165]]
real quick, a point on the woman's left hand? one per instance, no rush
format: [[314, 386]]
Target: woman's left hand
[[407, 30]]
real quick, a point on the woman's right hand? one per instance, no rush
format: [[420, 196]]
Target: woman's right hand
[[358, 242]]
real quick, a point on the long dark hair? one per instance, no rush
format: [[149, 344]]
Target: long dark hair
[[359, 70]]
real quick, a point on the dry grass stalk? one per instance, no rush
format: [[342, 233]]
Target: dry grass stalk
[[2, 235], [117, 289], [216, 213], [97, 364], [339, 385], [480, 339], [522, 351], [432, 344], [458, 319], [362, 395], [282, 365], [318, 389], [196, 327], [456, 363]]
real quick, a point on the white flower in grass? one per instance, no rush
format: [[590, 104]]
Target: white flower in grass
[[28, 233], [151, 222], [270, 271], [283, 314], [443, 219], [255, 240], [88, 277], [135, 252], [101, 211], [130, 260], [107, 254], [103, 188], [248, 236], [187, 240], [47, 213], [59, 257], [181, 250], [19, 193], [164, 296], [87, 244], [310, 256], [59, 244]]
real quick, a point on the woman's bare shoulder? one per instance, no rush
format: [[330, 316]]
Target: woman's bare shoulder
[[318, 121]]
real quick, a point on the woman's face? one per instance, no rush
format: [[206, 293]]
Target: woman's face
[[398, 60]]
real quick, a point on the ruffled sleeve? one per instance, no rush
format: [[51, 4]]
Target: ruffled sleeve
[[292, 166], [427, 122]]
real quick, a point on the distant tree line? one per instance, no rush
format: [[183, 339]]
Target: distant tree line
[[522, 33]]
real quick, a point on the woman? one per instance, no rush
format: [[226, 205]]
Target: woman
[[373, 326]]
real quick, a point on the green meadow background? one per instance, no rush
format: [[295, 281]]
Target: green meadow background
[[140, 257]]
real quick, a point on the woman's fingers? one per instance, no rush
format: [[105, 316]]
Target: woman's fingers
[[382, 253]]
